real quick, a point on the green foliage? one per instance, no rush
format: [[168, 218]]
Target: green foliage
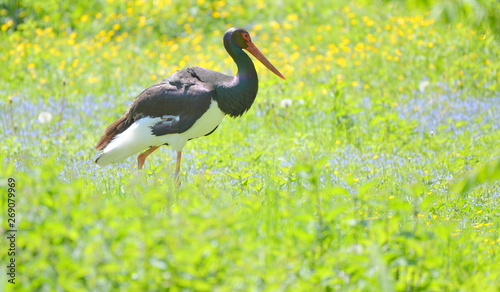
[[374, 167], [486, 173], [482, 15]]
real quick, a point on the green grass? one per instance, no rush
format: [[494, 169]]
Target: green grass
[[373, 167]]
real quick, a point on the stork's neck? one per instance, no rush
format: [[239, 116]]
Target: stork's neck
[[236, 96]]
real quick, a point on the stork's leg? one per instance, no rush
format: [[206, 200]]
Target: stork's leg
[[142, 157], [178, 167]]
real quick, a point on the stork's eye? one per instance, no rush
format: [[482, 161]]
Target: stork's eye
[[246, 36]]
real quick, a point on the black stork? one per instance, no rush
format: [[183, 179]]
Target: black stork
[[188, 104]]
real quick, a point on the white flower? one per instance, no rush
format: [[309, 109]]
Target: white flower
[[286, 102], [44, 117], [423, 85]]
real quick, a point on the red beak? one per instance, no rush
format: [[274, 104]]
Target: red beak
[[257, 54]]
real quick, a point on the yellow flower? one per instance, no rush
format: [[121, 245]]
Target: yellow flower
[[371, 38], [294, 56], [142, 21], [333, 48], [359, 47], [292, 17], [342, 62], [275, 25], [260, 4], [287, 25], [92, 79], [62, 65], [340, 78], [219, 4]]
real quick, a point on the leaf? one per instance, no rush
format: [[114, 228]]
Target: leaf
[[483, 174]]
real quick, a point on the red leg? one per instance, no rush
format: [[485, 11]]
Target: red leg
[[178, 167], [142, 157]]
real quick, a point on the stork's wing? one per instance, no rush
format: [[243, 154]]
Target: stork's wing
[[179, 99]]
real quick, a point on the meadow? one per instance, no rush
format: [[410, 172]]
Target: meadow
[[374, 167]]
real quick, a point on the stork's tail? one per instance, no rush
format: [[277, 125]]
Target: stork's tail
[[114, 129], [118, 144], [104, 158]]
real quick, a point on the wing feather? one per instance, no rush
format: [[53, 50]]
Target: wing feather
[[180, 95]]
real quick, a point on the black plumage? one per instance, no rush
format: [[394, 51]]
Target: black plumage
[[177, 102]]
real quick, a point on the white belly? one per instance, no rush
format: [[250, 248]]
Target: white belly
[[138, 137], [204, 125]]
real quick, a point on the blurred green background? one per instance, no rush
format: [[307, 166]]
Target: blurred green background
[[373, 167]]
